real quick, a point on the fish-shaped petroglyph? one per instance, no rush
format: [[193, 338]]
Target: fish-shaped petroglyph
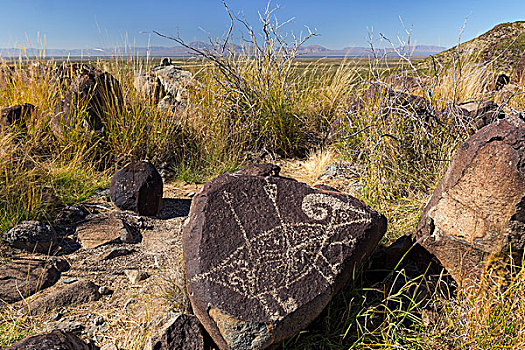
[[271, 262]]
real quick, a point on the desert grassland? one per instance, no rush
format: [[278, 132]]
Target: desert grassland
[[273, 107]]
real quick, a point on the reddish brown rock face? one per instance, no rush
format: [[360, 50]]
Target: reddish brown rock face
[[264, 255], [479, 206]]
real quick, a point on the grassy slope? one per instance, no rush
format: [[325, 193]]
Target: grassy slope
[[502, 46]]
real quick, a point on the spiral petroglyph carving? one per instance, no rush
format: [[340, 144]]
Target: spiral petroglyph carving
[[267, 264]]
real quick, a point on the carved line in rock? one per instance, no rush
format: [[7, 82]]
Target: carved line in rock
[[303, 244]]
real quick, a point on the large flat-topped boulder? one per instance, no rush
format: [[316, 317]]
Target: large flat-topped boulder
[[264, 255], [478, 209]]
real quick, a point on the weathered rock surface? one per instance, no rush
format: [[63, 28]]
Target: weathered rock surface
[[16, 114], [166, 83], [104, 229], [55, 340], [183, 332], [31, 236], [94, 91], [149, 85], [20, 278], [74, 294], [115, 253], [264, 255], [479, 207], [480, 113], [137, 187]]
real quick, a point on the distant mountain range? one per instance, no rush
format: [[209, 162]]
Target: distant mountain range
[[180, 51]]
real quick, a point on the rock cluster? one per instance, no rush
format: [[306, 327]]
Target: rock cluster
[[166, 84], [264, 254]]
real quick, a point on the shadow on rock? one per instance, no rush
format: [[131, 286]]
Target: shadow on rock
[[174, 208]]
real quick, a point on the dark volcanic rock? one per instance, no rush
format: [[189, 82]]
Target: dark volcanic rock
[[326, 188], [31, 236], [405, 254], [16, 114], [265, 255], [501, 81], [183, 332], [74, 294], [137, 187], [94, 91], [56, 340], [20, 278], [478, 209]]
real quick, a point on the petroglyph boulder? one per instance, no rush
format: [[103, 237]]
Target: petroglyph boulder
[[137, 187], [479, 207], [264, 255]]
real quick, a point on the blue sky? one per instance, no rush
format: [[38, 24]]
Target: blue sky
[[339, 23]]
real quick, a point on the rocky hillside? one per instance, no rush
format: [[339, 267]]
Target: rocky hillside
[[503, 45]]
